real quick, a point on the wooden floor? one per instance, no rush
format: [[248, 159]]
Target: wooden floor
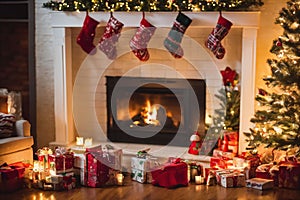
[[137, 191]]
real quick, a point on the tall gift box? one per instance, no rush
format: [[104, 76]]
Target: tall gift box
[[171, 175], [43, 158], [140, 168], [102, 166], [289, 175]]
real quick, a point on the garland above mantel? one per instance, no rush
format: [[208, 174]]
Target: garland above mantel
[[154, 5]]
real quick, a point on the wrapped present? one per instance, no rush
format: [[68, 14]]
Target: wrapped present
[[233, 180], [140, 165], [43, 158], [63, 160], [11, 177], [229, 142], [263, 171], [260, 183], [220, 172], [100, 168], [289, 175], [170, 175], [220, 162]]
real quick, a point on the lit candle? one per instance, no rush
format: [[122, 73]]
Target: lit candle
[[88, 142], [36, 165], [79, 141], [120, 178], [199, 180]]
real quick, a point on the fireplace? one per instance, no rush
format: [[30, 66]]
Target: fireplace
[[154, 110]]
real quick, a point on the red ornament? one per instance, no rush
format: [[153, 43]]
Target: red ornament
[[262, 92]]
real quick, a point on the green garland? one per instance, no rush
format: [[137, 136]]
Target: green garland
[[154, 5]]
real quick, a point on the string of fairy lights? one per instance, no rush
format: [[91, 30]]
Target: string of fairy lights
[[153, 5]]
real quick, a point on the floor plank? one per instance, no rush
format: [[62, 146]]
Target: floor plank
[[137, 191]]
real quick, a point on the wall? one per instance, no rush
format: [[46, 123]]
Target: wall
[[44, 39]]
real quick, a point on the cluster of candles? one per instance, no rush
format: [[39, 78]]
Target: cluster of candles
[[87, 142]]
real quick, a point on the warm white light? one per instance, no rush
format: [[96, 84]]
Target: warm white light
[[79, 141]]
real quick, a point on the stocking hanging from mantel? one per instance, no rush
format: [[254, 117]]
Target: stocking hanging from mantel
[[141, 38], [110, 37], [87, 34], [216, 36], [173, 42]]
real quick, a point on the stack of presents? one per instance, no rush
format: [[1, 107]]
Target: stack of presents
[[101, 166]]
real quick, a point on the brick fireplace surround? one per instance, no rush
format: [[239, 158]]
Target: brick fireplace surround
[[80, 101]]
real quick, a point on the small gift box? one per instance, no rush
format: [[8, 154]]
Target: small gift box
[[233, 180], [171, 175], [63, 160], [260, 183], [43, 158], [289, 175], [11, 178]]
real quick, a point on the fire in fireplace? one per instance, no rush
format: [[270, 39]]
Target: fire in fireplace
[[154, 110]]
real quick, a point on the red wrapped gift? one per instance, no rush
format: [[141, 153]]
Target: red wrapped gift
[[99, 168], [171, 175], [252, 161], [63, 160], [220, 162], [289, 175], [263, 171], [11, 178]]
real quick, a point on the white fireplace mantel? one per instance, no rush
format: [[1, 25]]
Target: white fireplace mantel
[[62, 21]]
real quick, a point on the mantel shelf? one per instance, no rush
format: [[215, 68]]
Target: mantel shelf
[[159, 19]]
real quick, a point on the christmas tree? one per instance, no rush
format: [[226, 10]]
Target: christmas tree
[[277, 123]]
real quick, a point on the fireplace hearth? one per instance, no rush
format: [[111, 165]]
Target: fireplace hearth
[[154, 110]]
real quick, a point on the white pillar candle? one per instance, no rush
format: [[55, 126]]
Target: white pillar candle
[[88, 142], [199, 180], [79, 141]]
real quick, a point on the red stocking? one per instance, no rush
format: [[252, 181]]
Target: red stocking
[[139, 41], [107, 43], [218, 33], [86, 36]]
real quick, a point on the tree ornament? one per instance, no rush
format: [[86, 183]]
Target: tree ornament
[[229, 77], [139, 41], [87, 34], [173, 41], [213, 42], [262, 92], [107, 43]]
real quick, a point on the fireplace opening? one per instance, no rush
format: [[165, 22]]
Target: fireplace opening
[[154, 110]]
